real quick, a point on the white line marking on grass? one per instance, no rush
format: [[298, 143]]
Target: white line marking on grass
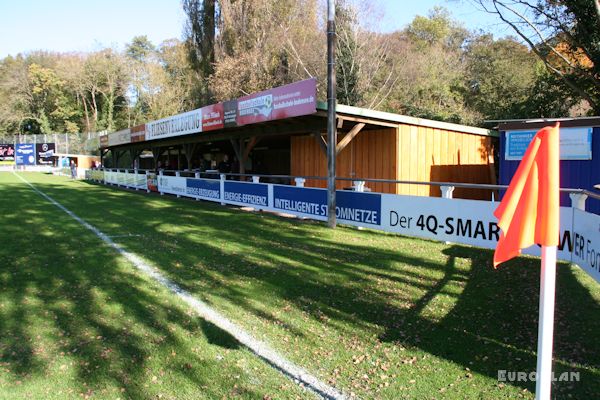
[[300, 375]]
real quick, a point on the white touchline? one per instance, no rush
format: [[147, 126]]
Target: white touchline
[[259, 348]]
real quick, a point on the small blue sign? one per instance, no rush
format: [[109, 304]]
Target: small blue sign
[[204, 188], [252, 194], [25, 154], [517, 143], [575, 143]]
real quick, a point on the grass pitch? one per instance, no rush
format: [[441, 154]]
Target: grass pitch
[[376, 315]]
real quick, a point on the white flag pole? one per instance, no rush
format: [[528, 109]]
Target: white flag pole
[[543, 384]]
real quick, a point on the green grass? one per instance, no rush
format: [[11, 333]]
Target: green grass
[[77, 321], [378, 315]]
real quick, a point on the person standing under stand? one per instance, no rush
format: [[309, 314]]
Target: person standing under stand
[[224, 166], [73, 169]]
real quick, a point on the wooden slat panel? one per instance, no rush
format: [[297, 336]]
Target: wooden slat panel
[[412, 175], [405, 153], [405, 158]]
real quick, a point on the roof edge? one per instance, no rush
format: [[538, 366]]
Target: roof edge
[[405, 119]]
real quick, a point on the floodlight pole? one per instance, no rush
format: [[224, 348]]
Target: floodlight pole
[[331, 125]]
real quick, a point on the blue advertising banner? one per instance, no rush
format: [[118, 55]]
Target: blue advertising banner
[[358, 207], [306, 202], [363, 208], [251, 194], [25, 154], [206, 189]]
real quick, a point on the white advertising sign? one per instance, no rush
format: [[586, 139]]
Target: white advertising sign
[[586, 242], [453, 220], [180, 124], [119, 137], [172, 184], [456, 220], [140, 181], [110, 177]]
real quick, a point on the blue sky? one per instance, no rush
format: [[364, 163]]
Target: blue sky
[[85, 25]]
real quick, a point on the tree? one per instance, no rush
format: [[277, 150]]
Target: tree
[[252, 46], [106, 81], [347, 67], [199, 34], [564, 34], [14, 94], [431, 70], [501, 75], [139, 49]]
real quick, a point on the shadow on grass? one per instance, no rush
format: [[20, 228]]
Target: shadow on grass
[[71, 311], [491, 323]]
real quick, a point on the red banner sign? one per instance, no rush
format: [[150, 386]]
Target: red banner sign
[[295, 99], [212, 117]]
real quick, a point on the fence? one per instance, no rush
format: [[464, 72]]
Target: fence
[[445, 219], [66, 143]]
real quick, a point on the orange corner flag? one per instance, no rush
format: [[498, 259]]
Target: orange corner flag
[[529, 211]]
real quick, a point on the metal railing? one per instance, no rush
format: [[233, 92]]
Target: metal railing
[[292, 178]]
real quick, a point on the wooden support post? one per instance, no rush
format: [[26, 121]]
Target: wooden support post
[[253, 141], [242, 152], [321, 141], [349, 136], [116, 157], [155, 156], [190, 149]]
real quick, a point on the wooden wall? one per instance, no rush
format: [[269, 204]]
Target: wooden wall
[[408, 153], [435, 155], [371, 154]]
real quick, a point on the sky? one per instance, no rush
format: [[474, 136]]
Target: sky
[[86, 25]]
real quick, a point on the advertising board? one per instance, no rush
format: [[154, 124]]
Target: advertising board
[[119, 137], [575, 143], [25, 154], [177, 125], [138, 133], [295, 99], [205, 189], [45, 153], [172, 184], [212, 117], [246, 194], [7, 152]]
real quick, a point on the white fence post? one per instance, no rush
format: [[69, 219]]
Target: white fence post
[[447, 194], [197, 176], [578, 200], [178, 174], [222, 177], [160, 173], [299, 182], [359, 186], [447, 191], [147, 188]]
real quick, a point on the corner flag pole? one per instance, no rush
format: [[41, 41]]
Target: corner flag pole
[[528, 214], [543, 384]]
